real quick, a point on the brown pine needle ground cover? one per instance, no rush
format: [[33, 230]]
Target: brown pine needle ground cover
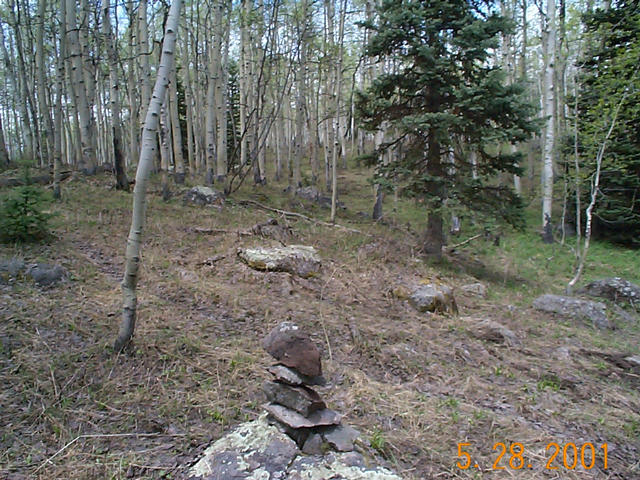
[[415, 385]]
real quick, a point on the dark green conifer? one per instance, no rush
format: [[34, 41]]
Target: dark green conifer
[[610, 75], [446, 101]]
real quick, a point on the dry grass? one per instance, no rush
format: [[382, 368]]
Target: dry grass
[[414, 385]]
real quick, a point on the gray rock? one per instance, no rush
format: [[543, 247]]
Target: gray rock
[[298, 260], [288, 344], [46, 275], [615, 289], [634, 359], [313, 445], [339, 466], [495, 332], [10, 268], [254, 450], [201, 195], [341, 437], [293, 419], [433, 298], [302, 399], [259, 451], [624, 315], [574, 308], [478, 289], [287, 375], [308, 193]]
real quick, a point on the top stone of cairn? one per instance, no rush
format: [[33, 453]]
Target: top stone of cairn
[[290, 346]]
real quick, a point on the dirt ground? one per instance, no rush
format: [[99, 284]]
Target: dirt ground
[[416, 385]]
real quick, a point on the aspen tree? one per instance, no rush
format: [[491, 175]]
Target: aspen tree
[[147, 153]]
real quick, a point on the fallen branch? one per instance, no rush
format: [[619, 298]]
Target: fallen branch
[[303, 217], [39, 180], [457, 245]]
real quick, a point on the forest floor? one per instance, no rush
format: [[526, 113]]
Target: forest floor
[[415, 385]]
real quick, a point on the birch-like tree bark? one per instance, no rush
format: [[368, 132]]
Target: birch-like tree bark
[[550, 131], [122, 183], [87, 162], [147, 154]]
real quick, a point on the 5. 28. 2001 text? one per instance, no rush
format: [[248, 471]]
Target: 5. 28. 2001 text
[[569, 456]]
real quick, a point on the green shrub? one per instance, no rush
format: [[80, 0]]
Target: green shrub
[[23, 215]]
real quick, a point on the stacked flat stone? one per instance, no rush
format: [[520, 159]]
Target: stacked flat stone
[[293, 403]]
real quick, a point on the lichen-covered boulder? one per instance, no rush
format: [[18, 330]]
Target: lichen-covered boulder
[[574, 308], [254, 450], [260, 451], [615, 289], [433, 298], [201, 195], [343, 466], [298, 260]]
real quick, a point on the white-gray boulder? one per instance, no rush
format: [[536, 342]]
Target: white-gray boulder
[[433, 298], [574, 308], [298, 260]]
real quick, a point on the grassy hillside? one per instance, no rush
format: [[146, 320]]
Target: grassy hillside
[[415, 385]]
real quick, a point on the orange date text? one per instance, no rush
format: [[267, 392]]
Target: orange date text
[[568, 456]]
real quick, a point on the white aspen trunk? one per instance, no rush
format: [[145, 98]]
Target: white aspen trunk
[[58, 132], [87, 162], [210, 125], [20, 100], [338, 95], [122, 183], [46, 123], [244, 81], [221, 96], [176, 134], [550, 133], [595, 184], [130, 280], [143, 54], [134, 101]]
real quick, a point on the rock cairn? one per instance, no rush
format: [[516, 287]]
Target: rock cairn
[[293, 403]]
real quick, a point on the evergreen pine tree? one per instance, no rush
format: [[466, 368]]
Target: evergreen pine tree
[[610, 75], [450, 107]]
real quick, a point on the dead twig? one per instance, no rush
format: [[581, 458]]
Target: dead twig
[[457, 245], [303, 217]]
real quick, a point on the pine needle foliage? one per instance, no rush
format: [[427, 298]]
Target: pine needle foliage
[[23, 215], [446, 108]]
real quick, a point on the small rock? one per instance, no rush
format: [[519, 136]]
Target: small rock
[[477, 289], [495, 332], [615, 289], [433, 298], [341, 437], [286, 375], [201, 195], [313, 445], [293, 348], [45, 275], [635, 359], [302, 399], [293, 419], [308, 193], [11, 267], [575, 308], [298, 260]]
